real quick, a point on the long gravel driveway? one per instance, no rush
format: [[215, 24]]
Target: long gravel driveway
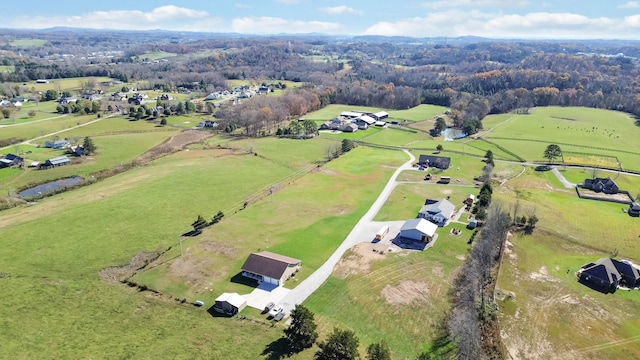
[[362, 232]]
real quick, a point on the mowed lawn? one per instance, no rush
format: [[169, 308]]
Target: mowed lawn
[[307, 220], [40, 128]]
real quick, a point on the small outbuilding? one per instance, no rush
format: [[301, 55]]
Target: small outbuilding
[[54, 162], [230, 304], [419, 230]]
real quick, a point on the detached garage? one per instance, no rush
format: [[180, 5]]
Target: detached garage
[[419, 230], [230, 303]]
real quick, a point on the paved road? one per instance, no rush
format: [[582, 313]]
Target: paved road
[[565, 182], [364, 231]]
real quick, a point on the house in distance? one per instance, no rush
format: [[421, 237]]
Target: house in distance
[[604, 185], [439, 162]]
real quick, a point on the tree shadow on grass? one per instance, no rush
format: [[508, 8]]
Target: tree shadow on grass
[[277, 350]]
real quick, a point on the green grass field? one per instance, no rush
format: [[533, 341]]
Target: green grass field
[[28, 42], [7, 68], [55, 302], [156, 55]]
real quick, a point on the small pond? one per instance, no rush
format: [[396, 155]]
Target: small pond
[[50, 186]]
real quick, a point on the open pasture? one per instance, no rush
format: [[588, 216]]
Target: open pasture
[[585, 130], [27, 43], [323, 218]]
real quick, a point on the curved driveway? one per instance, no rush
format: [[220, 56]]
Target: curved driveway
[[363, 231]]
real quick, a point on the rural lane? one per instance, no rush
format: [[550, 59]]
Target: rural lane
[[563, 180], [361, 232]]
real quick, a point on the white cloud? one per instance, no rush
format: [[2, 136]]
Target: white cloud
[[168, 17], [630, 5], [497, 25], [271, 25], [447, 4], [342, 9]]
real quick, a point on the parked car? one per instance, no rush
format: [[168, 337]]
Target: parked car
[[279, 316], [198, 303], [275, 311], [268, 307]]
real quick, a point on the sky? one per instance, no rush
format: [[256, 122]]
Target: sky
[[521, 19]]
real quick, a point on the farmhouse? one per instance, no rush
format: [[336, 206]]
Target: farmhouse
[[14, 159], [57, 144], [605, 185], [270, 268], [77, 150], [440, 162], [229, 303], [335, 124], [437, 212], [634, 209], [418, 229], [54, 162], [606, 274], [5, 163], [67, 100], [601, 276]]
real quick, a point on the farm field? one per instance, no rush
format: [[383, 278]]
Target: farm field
[[279, 195], [28, 42], [593, 131]]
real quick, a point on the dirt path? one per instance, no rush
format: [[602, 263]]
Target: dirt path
[[362, 232]]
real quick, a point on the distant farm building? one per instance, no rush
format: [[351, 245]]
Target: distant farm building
[[604, 185], [55, 162], [77, 150], [439, 162], [419, 230], [438, 212], [351, 114], [229, 304], [606, 274], [57, 144], [11, 160], [42, 81], [380, 115], [270, 268]]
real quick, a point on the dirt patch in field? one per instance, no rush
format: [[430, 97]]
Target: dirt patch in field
[[190, 269], [219, 248], [327, 171], [175, 143], [543, 275], [357, 259], [406, 293], [115, 274]]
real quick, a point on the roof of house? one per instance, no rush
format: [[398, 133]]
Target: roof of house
[[58, 160], [381, 114], [441, 162], [234, 299], [424, 226], [13, 157], [625, 268], [268, 264], [606, 182], [602, 269], [368, 119], [6, 161], [350, 114], [442, 206], [635, 206]]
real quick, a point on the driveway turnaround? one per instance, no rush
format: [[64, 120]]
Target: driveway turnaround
[[364, 231]]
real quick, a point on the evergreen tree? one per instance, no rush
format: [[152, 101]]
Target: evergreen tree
[[301, 334], [88, 146], [341, 345], [379, 351]]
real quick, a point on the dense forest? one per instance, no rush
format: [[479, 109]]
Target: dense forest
[[472, 76]]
